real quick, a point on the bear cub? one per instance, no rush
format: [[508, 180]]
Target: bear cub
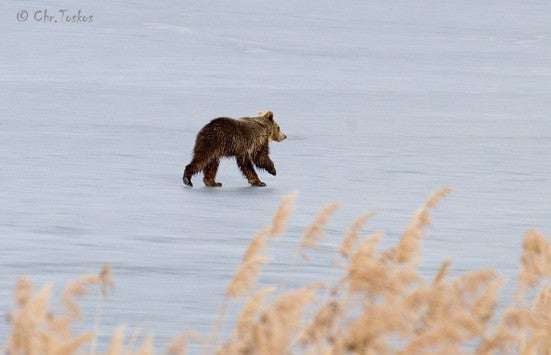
[[247, 139]]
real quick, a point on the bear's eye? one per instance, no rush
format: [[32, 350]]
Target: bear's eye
[[278, 129]]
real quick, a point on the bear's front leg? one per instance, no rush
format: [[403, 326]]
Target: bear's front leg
[[270, 168], [262, 160], [247, 168]]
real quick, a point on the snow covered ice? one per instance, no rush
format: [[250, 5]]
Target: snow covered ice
[[382, 102]]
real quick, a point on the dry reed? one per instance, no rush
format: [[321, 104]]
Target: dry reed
[[249, 268], [314, 232], [282, 214], [380, 305], [351, 237]]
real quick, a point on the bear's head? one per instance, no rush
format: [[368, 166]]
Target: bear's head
[[276, 135]]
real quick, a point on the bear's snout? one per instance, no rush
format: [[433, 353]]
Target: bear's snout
[[282, 136]]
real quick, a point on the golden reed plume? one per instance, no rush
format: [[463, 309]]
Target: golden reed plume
[[314, 232]]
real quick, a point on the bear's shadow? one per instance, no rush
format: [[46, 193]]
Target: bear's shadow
[[235, 190]]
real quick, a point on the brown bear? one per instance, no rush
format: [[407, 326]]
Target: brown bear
[[247, 139]]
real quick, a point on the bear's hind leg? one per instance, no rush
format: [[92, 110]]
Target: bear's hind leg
[[247, 168], [209, 173], [196, 165]]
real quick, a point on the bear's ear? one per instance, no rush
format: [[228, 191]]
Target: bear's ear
[[269, 115]]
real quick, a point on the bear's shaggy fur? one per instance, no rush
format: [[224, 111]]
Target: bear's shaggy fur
[[246, 139]]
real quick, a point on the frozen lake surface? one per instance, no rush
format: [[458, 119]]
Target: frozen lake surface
[[382, 102]]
